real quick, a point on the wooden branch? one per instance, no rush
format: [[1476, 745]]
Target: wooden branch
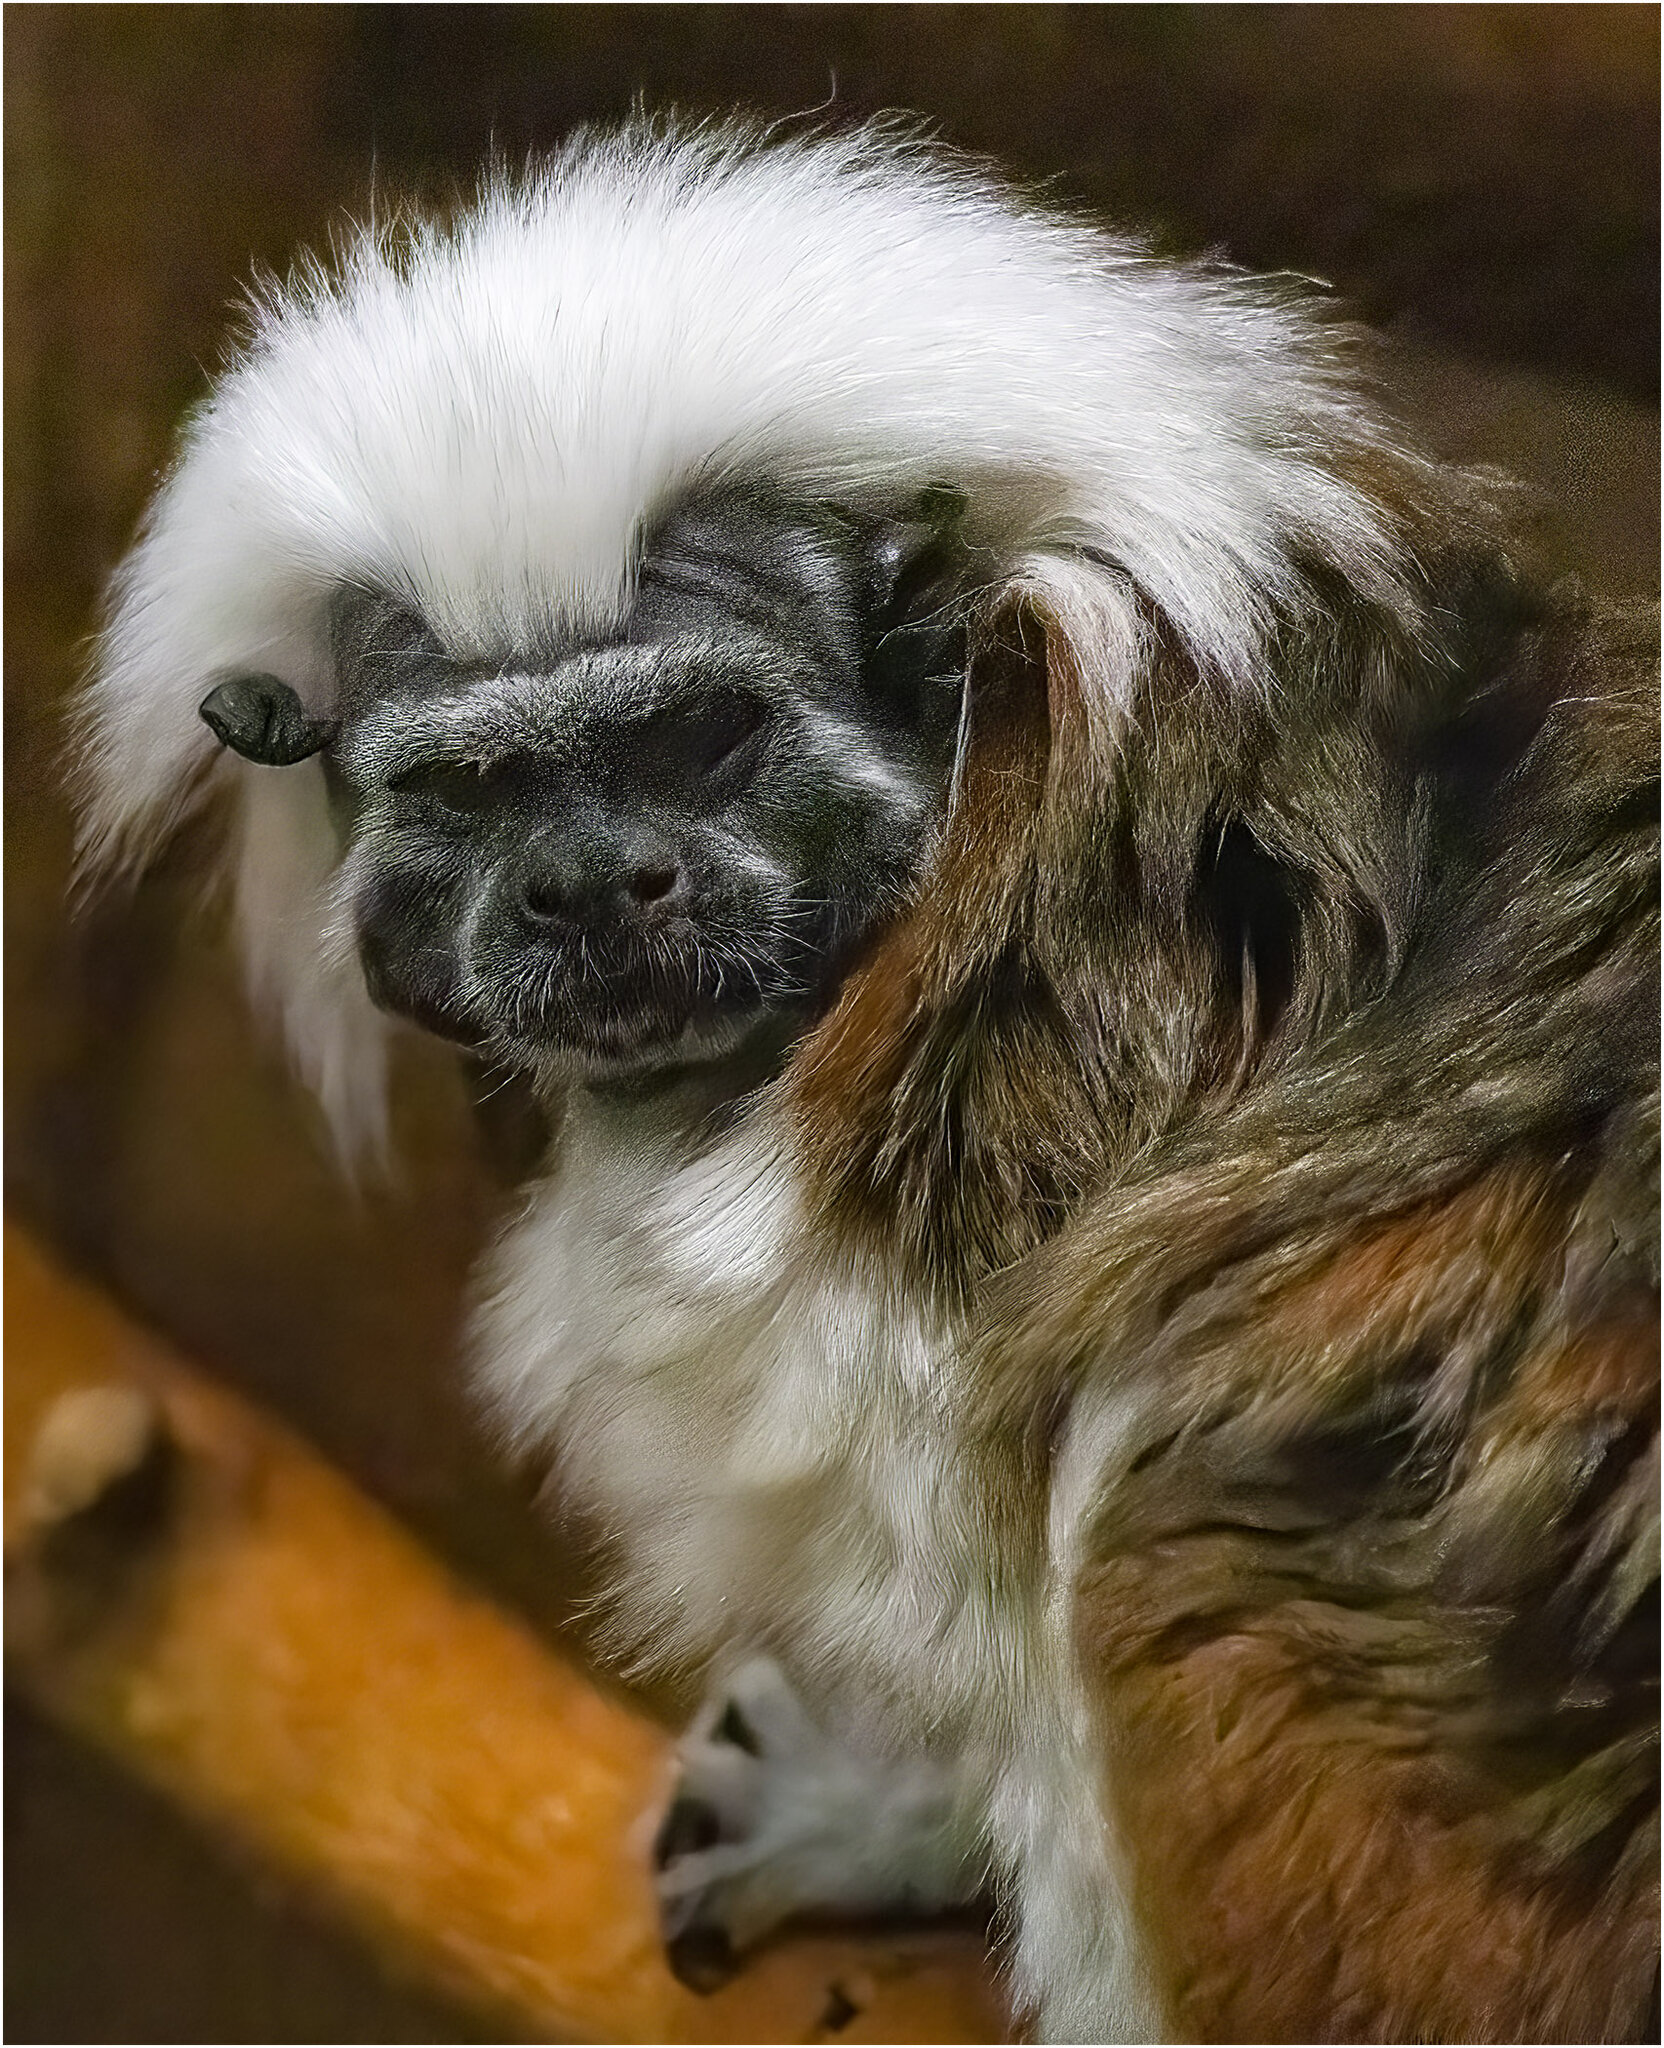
[[193, 1591]]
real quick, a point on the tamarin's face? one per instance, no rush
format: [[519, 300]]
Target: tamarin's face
[[632, 853]]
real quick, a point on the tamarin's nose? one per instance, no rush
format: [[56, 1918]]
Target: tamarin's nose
[[592, 881]]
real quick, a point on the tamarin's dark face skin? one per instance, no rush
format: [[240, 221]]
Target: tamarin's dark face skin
[[614, 859]]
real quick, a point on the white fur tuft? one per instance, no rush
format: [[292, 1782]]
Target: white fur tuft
[[481, 416]]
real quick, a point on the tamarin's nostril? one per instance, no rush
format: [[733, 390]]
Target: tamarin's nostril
[[652, 885], [543, 897]]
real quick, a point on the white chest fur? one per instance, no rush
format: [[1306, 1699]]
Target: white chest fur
[[766, 1443]]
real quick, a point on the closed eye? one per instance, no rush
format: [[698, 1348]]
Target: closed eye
[[710, 735], [726, 721], [460, 786]]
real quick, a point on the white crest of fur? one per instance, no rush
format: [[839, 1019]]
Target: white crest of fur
[[481, 417]]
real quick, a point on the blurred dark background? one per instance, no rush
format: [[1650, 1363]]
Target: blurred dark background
[[1481, 181]]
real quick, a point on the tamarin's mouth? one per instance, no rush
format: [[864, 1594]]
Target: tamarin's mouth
[[610, 1014]]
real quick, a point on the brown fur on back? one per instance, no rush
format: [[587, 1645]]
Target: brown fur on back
[[1294, 1078]]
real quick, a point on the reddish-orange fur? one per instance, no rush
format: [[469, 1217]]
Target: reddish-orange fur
[[1338, 1833]]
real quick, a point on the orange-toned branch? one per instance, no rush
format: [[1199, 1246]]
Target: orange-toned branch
[[196, 1593]]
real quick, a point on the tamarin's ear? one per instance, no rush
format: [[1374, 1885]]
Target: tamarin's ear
[[264, 720], [919, 564], [913, 553]]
